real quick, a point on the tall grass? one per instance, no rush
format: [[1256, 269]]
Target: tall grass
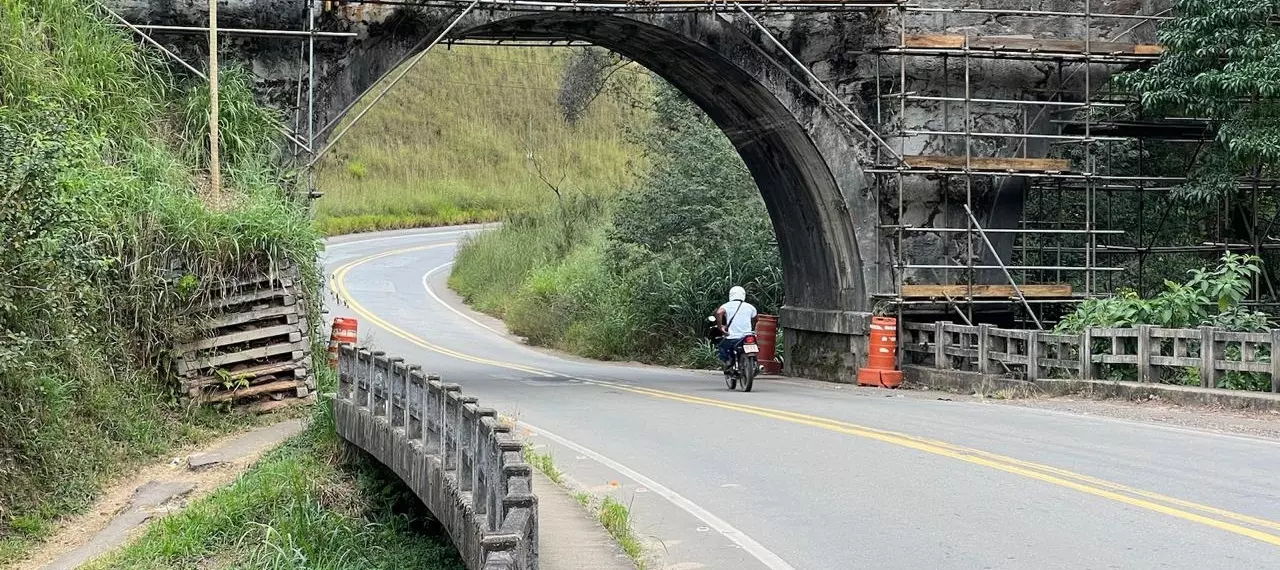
[[457, 139], [101, 216]]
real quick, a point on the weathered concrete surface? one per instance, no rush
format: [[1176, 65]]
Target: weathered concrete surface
[[456, 457], [974, 382], [143, 505]]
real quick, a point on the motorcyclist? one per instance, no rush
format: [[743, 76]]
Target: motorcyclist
[[736, 319]]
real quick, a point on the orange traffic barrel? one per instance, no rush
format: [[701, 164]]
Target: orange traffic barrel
[[343, 332], [882, 355], [767, 340]]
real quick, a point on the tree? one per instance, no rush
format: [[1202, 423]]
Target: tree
[[1221, 63]]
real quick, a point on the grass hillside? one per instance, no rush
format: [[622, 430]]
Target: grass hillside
[[105, 240], [452, 143]]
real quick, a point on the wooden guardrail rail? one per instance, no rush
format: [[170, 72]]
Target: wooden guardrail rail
[[459, 459]]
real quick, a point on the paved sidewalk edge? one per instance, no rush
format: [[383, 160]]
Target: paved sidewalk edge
[[569, 537]]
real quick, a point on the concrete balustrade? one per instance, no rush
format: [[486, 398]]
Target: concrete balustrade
[[455, 455]]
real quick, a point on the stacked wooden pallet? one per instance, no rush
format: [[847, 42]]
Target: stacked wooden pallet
[[251, 348]]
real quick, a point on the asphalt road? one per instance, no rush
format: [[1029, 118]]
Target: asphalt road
[[810, 475]]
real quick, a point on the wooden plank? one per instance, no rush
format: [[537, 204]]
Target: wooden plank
[[251, 391], [239, 337], [1029, 45], [241, 356], [931, 41], [272, 405], [996, 291], [251, 316], [290, 368], [1033, 45], [266, 294], [1012, 164]]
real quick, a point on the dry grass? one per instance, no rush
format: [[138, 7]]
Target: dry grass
[[452, 142]]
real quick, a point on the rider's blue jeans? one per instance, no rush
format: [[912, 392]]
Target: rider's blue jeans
[[726, 348]]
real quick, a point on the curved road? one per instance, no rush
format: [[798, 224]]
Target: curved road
[[810, 475]]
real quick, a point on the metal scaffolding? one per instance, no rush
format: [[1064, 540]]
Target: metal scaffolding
[[1076, 237]]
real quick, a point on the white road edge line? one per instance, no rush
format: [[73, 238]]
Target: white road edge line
[[432, 293], [755, 549], [388, 238]]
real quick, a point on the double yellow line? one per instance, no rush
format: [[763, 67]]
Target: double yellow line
[[1221, 519]]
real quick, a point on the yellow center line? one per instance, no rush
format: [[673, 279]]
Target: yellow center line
[[1060, 477]]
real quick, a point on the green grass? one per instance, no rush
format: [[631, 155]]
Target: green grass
[[545, 463], [301, 507], [451, 143], [102, 218], [616, 519]]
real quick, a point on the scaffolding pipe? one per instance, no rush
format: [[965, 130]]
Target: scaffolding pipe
[[632, 7], [407, 68], [152, 41], [245, 31], [1021, 12]]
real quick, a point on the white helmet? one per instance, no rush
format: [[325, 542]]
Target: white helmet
[[737, 294]]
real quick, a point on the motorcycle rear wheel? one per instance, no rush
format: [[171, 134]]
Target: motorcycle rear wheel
[[748, 367]]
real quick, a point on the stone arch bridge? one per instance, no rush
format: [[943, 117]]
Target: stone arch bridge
[[796, 86]]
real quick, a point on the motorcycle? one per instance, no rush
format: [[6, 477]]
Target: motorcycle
[[743, 365]]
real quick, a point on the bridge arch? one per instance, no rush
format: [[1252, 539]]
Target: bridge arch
[[803, 159]]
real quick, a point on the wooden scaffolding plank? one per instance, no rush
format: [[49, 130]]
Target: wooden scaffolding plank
[[290, 312], [1030, 45], [989, 291], [291, 368], [244, 355], [263, 295], [989, 163], [258, 390], [242, 336]]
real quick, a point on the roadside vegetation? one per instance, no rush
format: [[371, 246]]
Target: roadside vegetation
[[464, 136], [106, 235], [1218, 64], [633, 277], [311, 504]]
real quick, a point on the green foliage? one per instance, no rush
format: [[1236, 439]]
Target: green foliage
[[452, 143], [104, 244], [1210, 297], [616, 519], [302, 507], [635, 280], [1221, 62]]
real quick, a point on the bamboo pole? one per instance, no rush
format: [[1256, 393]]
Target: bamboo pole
[[215, 168]]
